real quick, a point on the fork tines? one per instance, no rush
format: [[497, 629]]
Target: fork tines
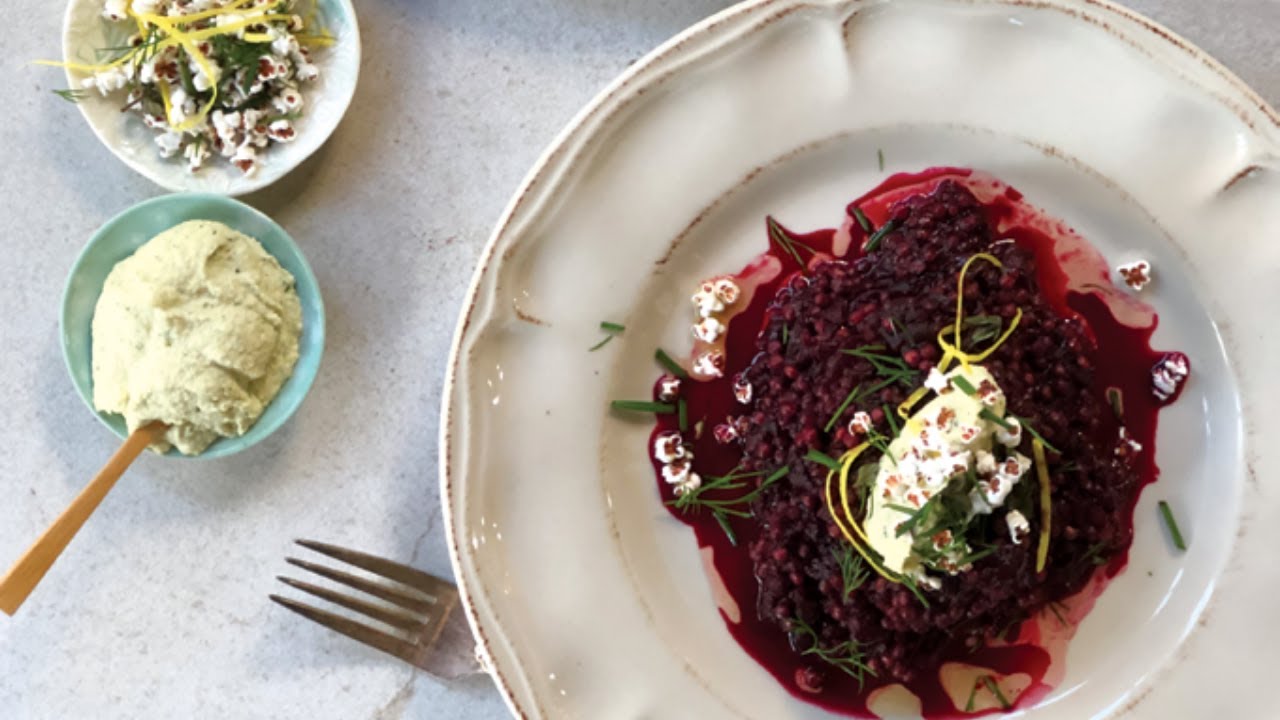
[[414, 604]]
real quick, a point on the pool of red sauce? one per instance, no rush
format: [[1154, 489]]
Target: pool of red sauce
[[1129, 361]]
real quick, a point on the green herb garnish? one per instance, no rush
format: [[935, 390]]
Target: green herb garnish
[[974, 557], [995, 690], [894, 369], [892, 419], [853, 570], [965, 386], [915, 514], [881, 443], [612, 329], [789, 244], [987, 414], [71, 95], [853, 395], [873, 242], [724, 508], [911, 585], [973, 695], [1167, 513], [1053, 607], [1116, 398], [682, 412], [822, 459], [863, 222], [847, 656], [672, 366], [1094, 554], [985, 327], [643, 406], [786, 335], [865, 482]]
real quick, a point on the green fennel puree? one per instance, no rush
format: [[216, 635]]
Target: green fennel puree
[[198, 329]]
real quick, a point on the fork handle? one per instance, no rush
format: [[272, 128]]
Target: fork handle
[[25, 574]]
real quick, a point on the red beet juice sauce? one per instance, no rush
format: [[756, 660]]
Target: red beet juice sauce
[[1073, 277]]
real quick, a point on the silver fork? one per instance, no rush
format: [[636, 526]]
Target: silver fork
[[429, 629]]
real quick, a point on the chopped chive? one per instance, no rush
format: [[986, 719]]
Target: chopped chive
[[964, 385], [786, 335], [612, 329], [986, 414], [893, 421], [873, 242], [973, 695], [995, 690], [863, 222], [643, 406], [853, 395], [822, 459], [1116, 398], [909, 525], [682, 410], [1172, 524], [974, 557], [775, 476], [672, 366], [880, 158]]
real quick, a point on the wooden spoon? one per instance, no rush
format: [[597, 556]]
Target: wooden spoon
[[25, 574]]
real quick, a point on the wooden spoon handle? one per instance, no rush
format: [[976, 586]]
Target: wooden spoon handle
[[25, 574]]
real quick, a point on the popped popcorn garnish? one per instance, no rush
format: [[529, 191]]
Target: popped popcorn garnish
[[668, 388], [1168, 375], [1136, 274], [708, 330], [726, 291], [706, 301], [860, 424], [725, 433], [1018, 526], [1128, 445], [710, 364], [669, 447]]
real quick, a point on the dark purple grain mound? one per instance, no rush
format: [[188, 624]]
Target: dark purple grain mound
[[899, 296]]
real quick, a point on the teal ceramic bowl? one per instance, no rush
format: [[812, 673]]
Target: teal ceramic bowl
[[124, 234]]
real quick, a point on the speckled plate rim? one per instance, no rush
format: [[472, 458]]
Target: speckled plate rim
[[311, 345], [1163, 46], [109, 125]]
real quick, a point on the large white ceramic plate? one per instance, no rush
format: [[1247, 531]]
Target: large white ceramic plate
[[84, 31], [590, 601]]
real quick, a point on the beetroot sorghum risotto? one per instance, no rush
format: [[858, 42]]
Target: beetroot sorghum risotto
[[914, 443]]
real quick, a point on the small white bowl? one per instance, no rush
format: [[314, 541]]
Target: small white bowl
[[327, 98]]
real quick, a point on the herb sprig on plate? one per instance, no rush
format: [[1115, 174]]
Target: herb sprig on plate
[[723, 508], [847, 656]]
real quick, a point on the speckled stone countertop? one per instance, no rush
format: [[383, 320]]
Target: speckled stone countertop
[[159, 608]]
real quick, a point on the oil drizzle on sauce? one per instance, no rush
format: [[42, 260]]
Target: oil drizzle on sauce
[[1075, 279]]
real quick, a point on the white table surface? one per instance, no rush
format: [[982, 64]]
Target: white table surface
[[159, 608]]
